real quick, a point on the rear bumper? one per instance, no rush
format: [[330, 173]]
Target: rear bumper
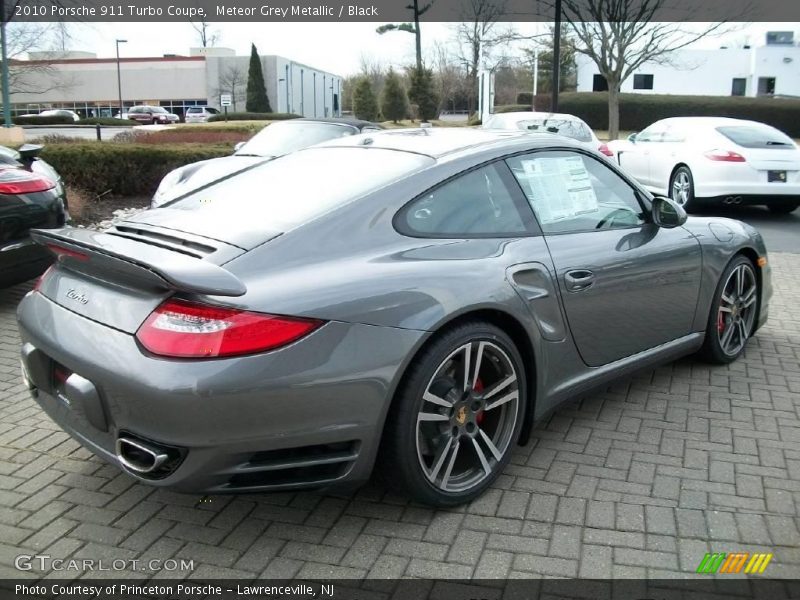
[[257, 423]]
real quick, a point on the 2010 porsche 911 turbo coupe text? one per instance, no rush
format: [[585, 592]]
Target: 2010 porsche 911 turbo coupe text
[[412, 299]]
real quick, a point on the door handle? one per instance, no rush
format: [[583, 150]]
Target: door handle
[[578, 279]]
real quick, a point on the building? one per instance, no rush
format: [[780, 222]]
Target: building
[[769, 70], [82, 82]]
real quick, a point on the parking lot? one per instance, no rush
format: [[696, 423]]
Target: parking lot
[[639, 480]]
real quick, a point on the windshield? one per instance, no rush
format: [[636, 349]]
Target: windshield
[[285, 137], [754, 136], [296, 188], [571, 129]]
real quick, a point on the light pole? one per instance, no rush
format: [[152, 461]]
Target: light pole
[[119, 78], [5, 84]]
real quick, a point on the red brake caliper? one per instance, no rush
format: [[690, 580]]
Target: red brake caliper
[[478, 388], [720, 323]]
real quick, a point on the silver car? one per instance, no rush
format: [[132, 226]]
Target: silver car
[[411, 299]]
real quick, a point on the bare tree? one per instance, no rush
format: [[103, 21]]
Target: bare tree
[[477, 35], [411, 28], [208, 36], [451, 83], [620, 36], [50, 41], [232, 81]]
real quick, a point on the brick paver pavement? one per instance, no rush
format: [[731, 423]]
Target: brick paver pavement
[[638, 481]]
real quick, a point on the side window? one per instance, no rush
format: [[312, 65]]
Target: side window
[[213, 111], [653, 133], [475, 204], [572, 192]]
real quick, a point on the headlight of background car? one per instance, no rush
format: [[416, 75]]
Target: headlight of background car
[[162, 194]]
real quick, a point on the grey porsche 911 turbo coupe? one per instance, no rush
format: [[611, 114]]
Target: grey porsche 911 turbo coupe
[[411, 299]]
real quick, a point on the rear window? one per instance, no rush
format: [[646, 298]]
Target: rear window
[[753, 136], [291, 190], [281, 138], [572, 129]]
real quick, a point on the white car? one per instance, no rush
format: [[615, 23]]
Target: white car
[[562, 124], [199, 114], [56, 113], [705, 160]]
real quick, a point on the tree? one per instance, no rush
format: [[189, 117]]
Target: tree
[[477, 35], [449, 79], [410, 28], [422, 94], [49, 41], [208, 36], [394, 102], [257, 100], [231, 81], [365, 104], [619, 37], [568, 66]]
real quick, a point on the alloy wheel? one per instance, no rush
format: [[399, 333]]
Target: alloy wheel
[[468, 415], [737, 309], [681, 188]]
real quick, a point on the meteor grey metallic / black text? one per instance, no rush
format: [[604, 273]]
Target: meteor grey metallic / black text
[[413, 300]]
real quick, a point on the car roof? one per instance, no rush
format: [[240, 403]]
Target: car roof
[[538, 115], [437, 142], [360, 124], [709, 121]]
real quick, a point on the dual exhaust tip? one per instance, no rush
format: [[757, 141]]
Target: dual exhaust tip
[[145, 458], [730, 200]]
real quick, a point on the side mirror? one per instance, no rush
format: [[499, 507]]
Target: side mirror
[[667, 213], [632, 138], [239, 146]]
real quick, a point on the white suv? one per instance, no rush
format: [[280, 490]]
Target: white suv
[[199, 114]]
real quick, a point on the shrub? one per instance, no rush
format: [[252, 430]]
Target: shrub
[[123, 169], [421, 93], [637, 111], [50, 120], [525, 98], [185, 135], [109, 121], [251, 116]]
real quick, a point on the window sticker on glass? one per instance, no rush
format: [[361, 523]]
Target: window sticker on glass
[[559, 187]]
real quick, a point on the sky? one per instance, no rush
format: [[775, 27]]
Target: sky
[[334, 47]]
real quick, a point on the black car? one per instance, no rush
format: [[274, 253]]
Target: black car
[[271, 142], [31, 195]]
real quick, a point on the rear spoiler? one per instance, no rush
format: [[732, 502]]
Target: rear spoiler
[[129, 261]]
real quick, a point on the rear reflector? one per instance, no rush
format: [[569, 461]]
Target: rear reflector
[[724, 156], [182, 329], [604, 149], [60, 251]]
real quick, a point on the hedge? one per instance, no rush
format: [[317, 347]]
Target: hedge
[[49, 120], [637, 111], [251, 116], [123, 169], [108, 121]]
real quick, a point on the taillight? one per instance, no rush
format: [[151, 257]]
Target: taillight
[[19, 181], [724, 155], [604, 149], [60, 251], [182, 329]]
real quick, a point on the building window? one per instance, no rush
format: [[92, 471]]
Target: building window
[[599, 83], [739, 86], [766, 86], [643, 82]]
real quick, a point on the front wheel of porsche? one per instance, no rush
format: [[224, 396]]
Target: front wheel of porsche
[[457, 417], [733, 313]]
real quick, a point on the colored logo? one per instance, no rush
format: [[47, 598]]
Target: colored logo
[[734, 562]]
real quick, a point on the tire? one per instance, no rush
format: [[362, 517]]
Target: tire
[[684, 194], [732, 318], [465, 438], [783, 209]]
